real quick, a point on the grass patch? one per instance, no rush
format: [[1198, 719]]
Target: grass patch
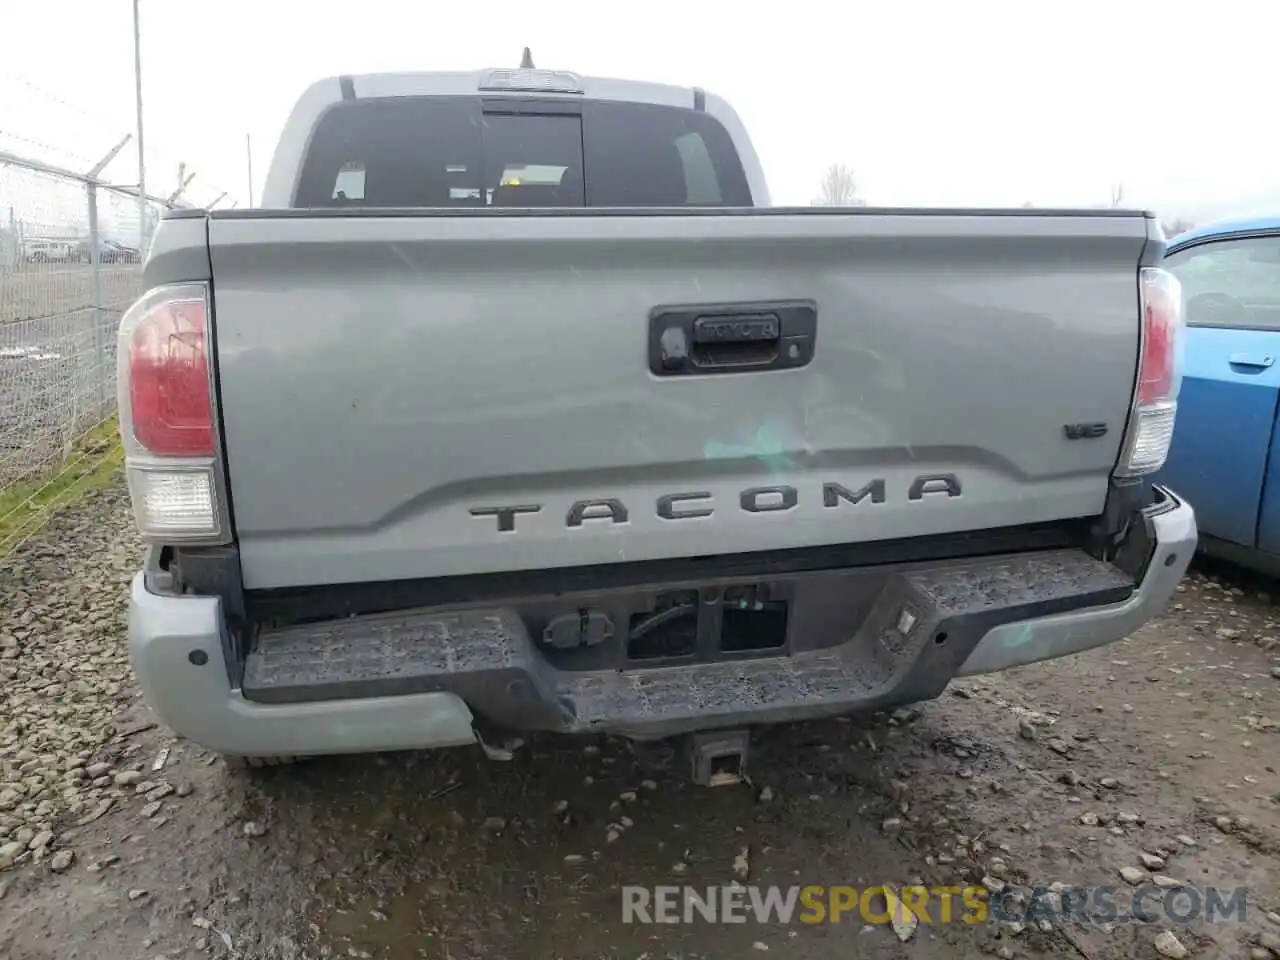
[[27, 506]]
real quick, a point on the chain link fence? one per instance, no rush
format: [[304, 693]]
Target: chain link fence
[[70, 264]]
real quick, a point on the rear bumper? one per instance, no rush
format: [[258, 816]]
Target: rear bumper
[[1174, 536], [408, 681], [177, 646]]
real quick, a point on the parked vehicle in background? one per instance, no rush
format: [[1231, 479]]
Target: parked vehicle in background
[[116, 252], [109, 251], [1224, 457], [41, 250], [537, 416]]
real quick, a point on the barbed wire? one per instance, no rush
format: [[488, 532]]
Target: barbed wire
[[161, 162], [40, 144], [58, 130], [48, 94]]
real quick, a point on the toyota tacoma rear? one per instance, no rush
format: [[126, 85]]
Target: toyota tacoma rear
[[516, 406]]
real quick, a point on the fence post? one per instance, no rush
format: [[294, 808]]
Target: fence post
[[99, 334]]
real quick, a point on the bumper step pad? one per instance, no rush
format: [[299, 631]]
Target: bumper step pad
[[924, 623]]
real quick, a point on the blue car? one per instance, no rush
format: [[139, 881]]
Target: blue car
[[1224, 459]]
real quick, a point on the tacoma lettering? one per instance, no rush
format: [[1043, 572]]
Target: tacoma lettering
[[768, 499], [667, 505], [506, 515], [833, 493], [690, 505], [607, 509]]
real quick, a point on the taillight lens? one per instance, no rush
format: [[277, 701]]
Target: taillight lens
[[1155, 403], [1161, 329], [167, 416], [169, 394], [175, 504]]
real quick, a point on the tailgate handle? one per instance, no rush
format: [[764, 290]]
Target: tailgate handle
[[1251, 361], [701, 339], [736, 340]]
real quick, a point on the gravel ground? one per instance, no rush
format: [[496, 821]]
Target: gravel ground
[[1156, 756]]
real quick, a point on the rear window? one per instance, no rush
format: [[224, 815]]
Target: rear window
[[468, 152]]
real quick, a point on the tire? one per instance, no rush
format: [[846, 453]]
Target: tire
[[256, 763]]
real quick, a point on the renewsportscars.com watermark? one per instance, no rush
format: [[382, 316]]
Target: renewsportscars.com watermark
[[970, 904]]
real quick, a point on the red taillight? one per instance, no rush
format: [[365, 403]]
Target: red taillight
[[164, 379], [169, 398], [1161, 327], [1155, 400]]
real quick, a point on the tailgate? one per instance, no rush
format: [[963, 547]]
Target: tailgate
[[420, 396]]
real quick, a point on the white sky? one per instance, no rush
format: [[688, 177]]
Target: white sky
[[973, 103]]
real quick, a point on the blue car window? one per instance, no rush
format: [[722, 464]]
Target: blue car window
[[1232, 282]]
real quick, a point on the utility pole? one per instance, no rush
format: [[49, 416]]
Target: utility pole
[[142, 157], [248, 152]]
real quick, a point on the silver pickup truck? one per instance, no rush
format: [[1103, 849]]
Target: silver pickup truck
[[517, 407]]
